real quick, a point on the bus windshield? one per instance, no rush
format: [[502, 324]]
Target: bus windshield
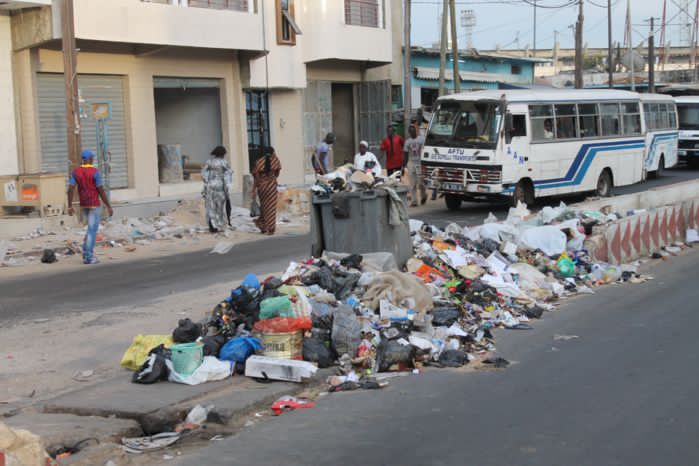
[[465, 124], [688, 115]]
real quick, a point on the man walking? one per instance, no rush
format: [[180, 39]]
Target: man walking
[[392, 147], [413, 150], [321, 156], [88, 180]]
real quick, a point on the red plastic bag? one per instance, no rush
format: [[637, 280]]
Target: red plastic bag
[[283, 324]]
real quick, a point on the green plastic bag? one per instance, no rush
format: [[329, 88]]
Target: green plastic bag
[[276, 307]]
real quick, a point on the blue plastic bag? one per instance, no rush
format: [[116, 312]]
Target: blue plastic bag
[[239, 349]]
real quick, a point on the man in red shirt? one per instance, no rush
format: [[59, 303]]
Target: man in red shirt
[[392, 147], [88, 180]]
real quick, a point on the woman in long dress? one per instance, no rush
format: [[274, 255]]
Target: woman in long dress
[[266, 172], [216, 175]]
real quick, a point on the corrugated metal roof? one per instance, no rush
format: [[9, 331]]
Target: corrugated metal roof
[[423, 72]]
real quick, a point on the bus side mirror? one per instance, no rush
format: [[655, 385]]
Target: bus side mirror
[[509, 127]]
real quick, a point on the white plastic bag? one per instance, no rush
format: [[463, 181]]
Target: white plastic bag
[[549, 239], [211, 369]]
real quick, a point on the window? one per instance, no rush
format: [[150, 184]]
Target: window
[[362, 13], [589, 120], [688, 115], [237, 5], [465, 124], [673, 116], [287, 29], [519, 126], [541, 117], [631, 118], [257, 112], [609, 114], [566, 121], [516, 69]]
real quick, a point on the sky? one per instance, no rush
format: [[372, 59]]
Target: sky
[[499, 21]]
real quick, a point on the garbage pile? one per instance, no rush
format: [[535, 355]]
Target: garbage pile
[[364, 315], [346, 178]]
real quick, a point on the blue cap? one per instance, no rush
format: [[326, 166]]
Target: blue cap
[[87, 154]]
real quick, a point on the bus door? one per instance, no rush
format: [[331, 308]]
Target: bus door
[[515, 154]]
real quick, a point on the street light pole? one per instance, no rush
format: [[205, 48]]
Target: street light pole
[[610, 52], [578, 47], [407, 76], [443, 47], [454, 46], [70, 77]]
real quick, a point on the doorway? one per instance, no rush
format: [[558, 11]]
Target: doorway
[[343, 123]]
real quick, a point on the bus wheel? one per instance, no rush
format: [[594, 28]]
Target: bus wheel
[[453, 201], [524, 192], [604, 184], [661, 169]]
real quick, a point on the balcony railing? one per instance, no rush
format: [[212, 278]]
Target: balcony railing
[[236, 5], [362, 13]]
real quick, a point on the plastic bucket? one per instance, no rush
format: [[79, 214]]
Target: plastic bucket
[[187, 357]]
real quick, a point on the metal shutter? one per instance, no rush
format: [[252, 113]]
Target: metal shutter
[[374, 111], [52, 126], [317, 117]]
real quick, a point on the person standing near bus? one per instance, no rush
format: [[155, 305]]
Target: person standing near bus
[[88, 179], [392, 147], [412, 149]]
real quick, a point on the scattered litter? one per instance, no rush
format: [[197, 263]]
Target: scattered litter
[[692, 236], [83, 376], [565, 337], [150, 443], [290, 403], [499, 363], [222, 247]]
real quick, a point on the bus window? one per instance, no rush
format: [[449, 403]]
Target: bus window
[[519, 126], [673, 116], [464, 124], [631, 118], [589, 120], [542, 122], [664, 117], [566, 121], [610, 119], [688, 116]]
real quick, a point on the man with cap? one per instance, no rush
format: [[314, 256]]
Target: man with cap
[[88, 180], [366, 161]]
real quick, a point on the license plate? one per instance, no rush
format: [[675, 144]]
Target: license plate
[[452, 187]]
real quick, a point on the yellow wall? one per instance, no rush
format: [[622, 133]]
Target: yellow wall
[[286, 128], [8, 133], [142, 141]]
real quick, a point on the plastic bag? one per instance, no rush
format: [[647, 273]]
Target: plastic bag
[[321, 315], [186, 331], [549, 239], [239, 349], [254, 208], [391, 352], [137, 353], [453, 358], [283, 324], [445, 316], [346, 333], [211, 369], [154, 369], [315, 350], [213, 344], [276, 307]]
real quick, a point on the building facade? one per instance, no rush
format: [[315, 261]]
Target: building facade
[[476, 71], [197, 73]]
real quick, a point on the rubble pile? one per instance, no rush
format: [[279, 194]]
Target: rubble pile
[[367, 317]]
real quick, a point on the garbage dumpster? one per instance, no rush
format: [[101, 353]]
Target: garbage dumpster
[[358, 222]]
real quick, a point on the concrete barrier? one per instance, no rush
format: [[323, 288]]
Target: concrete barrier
[[667, 214]]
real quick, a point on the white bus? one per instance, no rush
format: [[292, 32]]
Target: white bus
[[551, 142], [660, 128], [688, 116]]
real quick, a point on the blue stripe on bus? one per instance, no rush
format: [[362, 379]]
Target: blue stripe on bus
[[653, 145], [582, 162]]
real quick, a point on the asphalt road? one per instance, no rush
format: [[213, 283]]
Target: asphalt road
[[138, 282], [620, 390]]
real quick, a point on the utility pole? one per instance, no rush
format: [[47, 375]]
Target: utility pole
[[651, 58], [443, 47], [534, 41], [407, 76], [610, 51], [579, 47], [555, 51], [70, 58], [454, 46]]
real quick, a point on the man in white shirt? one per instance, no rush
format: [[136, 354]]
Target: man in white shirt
[[366, 161]]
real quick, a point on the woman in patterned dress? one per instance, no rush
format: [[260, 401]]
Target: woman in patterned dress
[[266, 172], [217, 175]]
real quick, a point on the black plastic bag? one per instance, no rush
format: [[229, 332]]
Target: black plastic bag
[[453, 358], [534, 312], [213, 344], [445, 316], [390, 353], [186, 331], [154, 369], [48, 257], [321, 315], [353, 261], [346, 331], [316, 351]]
